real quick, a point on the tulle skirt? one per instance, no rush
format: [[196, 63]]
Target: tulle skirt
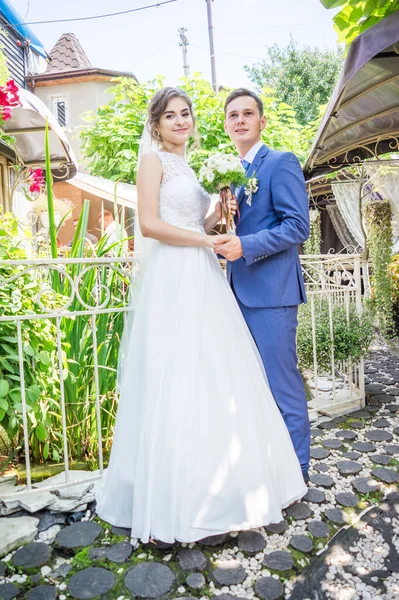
[[200, 447]]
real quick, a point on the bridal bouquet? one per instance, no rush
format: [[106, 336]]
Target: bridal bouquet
[[219, 174]]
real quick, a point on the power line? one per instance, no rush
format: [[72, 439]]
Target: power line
[[124, 12], [154, 51], [230, 53]]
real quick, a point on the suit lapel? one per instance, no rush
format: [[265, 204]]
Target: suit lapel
[[256, 163]]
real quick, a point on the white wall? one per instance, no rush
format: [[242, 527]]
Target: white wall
[[80, 97]]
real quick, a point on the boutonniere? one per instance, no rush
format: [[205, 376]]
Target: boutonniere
[[251, 188]]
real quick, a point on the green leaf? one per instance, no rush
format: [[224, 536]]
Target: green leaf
[[15, 394], [46, 449], [332, 3], [44, 358], [29, 350], [369, 8], [33, 393], [3, 404], [4, 387], [41, 432]]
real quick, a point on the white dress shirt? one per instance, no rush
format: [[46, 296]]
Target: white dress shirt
[[250, 155]]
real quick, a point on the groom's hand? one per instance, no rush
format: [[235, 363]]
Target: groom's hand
[[228, 246]]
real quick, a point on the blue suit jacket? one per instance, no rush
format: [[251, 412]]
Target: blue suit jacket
[[270, 230]]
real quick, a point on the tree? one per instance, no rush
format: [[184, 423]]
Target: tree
[[356, 16], [301, 77], [111, 142]]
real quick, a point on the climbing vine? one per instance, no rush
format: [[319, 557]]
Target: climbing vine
[[313, 243], [378, 217]]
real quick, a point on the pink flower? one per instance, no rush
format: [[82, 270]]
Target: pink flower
[[6, 113], [9, 99], [11, 86], [35, 187], [36, 180]]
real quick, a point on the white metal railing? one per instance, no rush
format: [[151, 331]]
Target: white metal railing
[[336, 279], [67, 291], [64, 290]]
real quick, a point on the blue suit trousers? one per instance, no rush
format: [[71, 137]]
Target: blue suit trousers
[[274, 332]]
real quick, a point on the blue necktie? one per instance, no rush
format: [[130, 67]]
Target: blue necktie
[[245, 164]]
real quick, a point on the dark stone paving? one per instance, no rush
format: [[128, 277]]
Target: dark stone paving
[[381, 459], [42, 592], [251, 542], [268, 588], [77, 535], [347, 499], [279, 561], [91, 583], [9, 591], [229, 572], [196, 581], [315, 495], [322, 480], [190, 559], [31, 556], [299, 511], [303, 543], [149, 580], [349, 467], [319, 529]]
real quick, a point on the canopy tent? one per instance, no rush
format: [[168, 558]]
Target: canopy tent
[[27, 125], [362, 117]]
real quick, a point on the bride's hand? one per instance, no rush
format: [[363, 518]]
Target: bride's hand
[[210, 241], [233, 207], [218, 210]]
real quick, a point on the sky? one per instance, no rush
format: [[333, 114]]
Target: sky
[[147, 42]]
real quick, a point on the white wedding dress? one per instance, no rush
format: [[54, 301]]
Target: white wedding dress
[[200, 447]]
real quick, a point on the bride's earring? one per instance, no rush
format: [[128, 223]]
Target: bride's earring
[[158, 135]]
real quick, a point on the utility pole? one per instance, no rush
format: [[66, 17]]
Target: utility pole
[[212, 44], [184, 43]]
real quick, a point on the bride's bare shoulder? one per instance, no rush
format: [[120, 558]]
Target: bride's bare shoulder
[[150, 161], [150, 157]]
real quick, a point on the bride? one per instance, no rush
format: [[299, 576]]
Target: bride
[[200, 447]]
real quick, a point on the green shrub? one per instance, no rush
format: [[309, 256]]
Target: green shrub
[[352, 334]]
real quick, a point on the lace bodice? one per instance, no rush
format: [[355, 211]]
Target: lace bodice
[[182, 201]]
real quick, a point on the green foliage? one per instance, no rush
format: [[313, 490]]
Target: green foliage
[[352, 334], [378, 218], [97, 286], [356, 16], [300, 77], [21, 297], [313, 243], [111, 142]]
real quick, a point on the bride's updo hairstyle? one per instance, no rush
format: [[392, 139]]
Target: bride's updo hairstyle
[[158, 105]]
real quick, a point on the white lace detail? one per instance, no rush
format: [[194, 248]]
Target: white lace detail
[[182, 201]]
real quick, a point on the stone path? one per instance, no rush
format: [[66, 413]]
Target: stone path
[[341, 542]]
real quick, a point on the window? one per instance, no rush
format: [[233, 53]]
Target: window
[[60, 110]]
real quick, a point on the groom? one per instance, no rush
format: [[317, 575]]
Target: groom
[[263, 265]]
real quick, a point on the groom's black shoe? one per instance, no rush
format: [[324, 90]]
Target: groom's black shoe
[[306, 477]]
